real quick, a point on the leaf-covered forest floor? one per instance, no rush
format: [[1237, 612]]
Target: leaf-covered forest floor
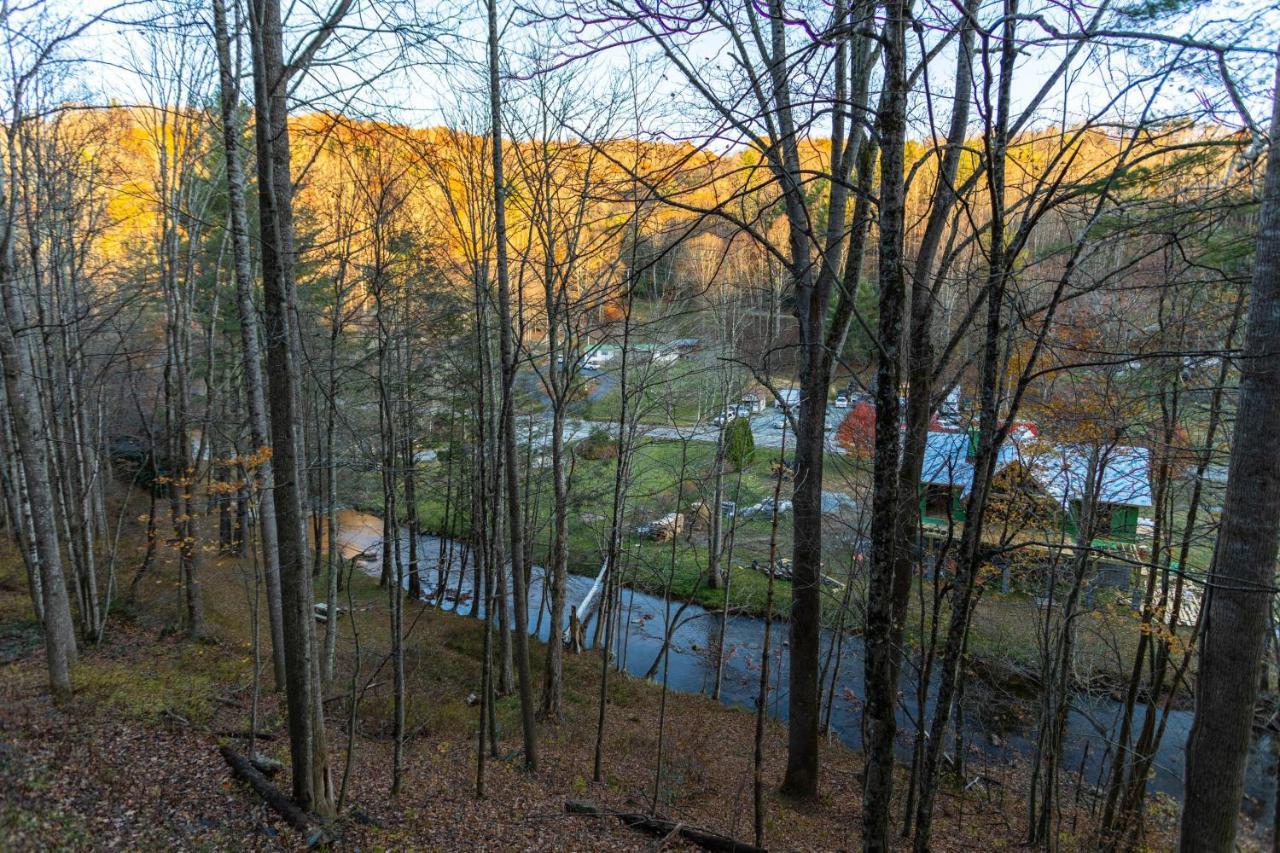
[[132, 760]]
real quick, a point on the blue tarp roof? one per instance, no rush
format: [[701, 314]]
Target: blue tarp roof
[[1064, 473], [947, 463], [1061, 470], [946, 460]]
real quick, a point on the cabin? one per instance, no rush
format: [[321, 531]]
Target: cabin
[[1122, 481], [1039, 485], [598, 355], [947, 476], [655, 353]]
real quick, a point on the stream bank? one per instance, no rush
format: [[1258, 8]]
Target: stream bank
[[996, 732]]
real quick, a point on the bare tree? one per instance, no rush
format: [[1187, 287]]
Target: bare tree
[[507, 427], [312, 781], [1242, 578], [251, 353], [40, 41]]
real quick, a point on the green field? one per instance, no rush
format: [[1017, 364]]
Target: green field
[[675, 567]]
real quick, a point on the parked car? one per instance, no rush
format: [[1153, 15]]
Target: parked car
[[855, 394], [788, 398], [724, 417], [842, 400]]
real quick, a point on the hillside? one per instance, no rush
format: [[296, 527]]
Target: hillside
[[132, 760]]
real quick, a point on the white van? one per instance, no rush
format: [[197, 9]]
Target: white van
[[787, 398]]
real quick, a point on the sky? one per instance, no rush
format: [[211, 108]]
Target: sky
[[420, 62]]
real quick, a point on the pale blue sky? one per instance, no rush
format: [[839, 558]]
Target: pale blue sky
[[427, 87]]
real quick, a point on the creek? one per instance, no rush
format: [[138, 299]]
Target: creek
[[995, 732]]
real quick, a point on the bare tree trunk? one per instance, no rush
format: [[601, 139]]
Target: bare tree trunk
[[312, 782], [671, 622], [21, 386], [728, 583], [988, 441], [1122, 816], [353, 695], [888, 586], [714, 579], [333, 565], [19, 378], [18, 506], [486, 681], [409, 446], [392, 560], [613, 558], [762, 700], [229, 91], [1237, 591], [553, 676], [173, 183], [411, 519], [920, 358], [515, 520]]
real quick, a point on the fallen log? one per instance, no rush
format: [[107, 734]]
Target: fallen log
[[244, 733], [272, 795], [589, 601], [265, 764], [705, 839]]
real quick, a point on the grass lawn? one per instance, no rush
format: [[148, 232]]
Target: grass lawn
[[682, 393], [1005, 629], [656, 487]]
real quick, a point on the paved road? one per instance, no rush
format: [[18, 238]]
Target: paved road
[[765, 429], [603, 384]]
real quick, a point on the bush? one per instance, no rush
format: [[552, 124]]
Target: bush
[[598, 445], [739, 444], [857, 432]]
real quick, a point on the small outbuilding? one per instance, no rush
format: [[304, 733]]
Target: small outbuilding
[[1045, 483]]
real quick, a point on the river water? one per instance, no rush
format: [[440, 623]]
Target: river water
[[691, 665]]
